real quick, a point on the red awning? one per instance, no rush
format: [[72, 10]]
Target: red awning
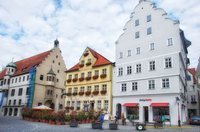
[[130, 104], [159, 104]]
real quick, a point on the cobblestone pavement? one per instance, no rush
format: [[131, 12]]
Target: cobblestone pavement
[[16, 124]]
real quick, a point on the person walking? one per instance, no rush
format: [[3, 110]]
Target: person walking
[[101, 120], [123, 119]]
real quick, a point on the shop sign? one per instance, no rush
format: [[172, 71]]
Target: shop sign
[[145, 99]]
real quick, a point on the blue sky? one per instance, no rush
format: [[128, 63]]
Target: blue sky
[[30, 27]]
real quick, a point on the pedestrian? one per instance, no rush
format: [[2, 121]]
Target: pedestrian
[[117, 118], [123, 119], [101, 120]]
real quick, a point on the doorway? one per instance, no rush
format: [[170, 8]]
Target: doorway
[[119, 110], [146, 113], [92, 105]]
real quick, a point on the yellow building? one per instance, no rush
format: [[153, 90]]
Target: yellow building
[[89, 83]]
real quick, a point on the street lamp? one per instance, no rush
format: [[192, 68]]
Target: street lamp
[[178, 101]]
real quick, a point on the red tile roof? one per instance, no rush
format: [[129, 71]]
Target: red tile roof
[[193, 71], [100, 60], [23, 66]]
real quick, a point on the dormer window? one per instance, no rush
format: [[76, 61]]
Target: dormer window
[[89, 60], [82, 62]]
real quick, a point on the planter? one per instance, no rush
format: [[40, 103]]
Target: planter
[[95, 121], [53, 122], [75, 94], [90, 121], [86, 121], [75, 80], [88, 78], [113, 126], [46, 121], [87, 93], [66, 123], [103, 76], [81, 65], [82, 122], [81, 79], [42, 121], [77, 108], [95, 92], [73, 124], [72, 108], [140, 126], [81, 93], [88, 63], [69, 80], [49, 121], [67, 107], [103, 92], [85, 54], [95, 77], [58, 122], [95, 125], [69, 94]]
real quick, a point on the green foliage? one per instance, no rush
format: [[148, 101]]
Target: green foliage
[[53, 116], [60, 116], [67, 118]]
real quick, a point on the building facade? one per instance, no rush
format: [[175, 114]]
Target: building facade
[[192, 94], [149, 77], [89, 83], [37, 80], [197, 76]]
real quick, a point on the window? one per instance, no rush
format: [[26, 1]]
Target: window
[[2, 82], [19, 79], [152, 46], [76, 90], [76, 76], [89, 74], [89, 88], [20, 91], [137, 22], [70, 77], [15, 80], [165, 83], [138, 50], [152, 65], [56, 56], [59, 63], [170, 43], [27, 77], [96, 88], [137, 34], [69, 90], [192, 88], [58, 71], [78, 103], [151, 84], [9, 102], [68, 103], [134, 86], [73, 103], [13, 92], [148, 18], [133, 111], [168, 63], [82, 62], [60, 106], [82, 89], [123, 87], [104, 87], [138, 68], [53, 61], [99, 104], [193, 98], [149, 31], [106, 104], [189, 78], [23, 79], [14, 103], [129, 70], [82, 75], [161, 111], [89, 60], [121, 55], [129, 52], [103, 71], [41, 77], [20, 101], [96, 72], [120, 71], [27, 90]]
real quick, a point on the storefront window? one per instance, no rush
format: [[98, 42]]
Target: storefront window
[[161, 114], [132, 113]]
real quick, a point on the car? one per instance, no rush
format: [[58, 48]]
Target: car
[[194, 120]]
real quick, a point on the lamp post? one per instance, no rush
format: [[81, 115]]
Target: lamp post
[[178, 101]]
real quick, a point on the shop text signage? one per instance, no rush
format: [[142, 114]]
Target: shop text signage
[[145, 99]]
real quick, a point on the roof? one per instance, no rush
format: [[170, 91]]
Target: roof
[[11, 64], [100, 60], [23, 66], [51, 71], [193, 71]]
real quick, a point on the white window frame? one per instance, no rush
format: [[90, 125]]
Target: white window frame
[[120, 71], [120, 55], [149, 31], [104, 87], [138, 50], [134, 86], [96, 88], [129, 70], [105, 104], [165, 83], [138, 68], [129, 53], [123, 87], [89, 88], [169, 42], [99, 104], [168, 62], [152, 66], [151, 84], [152, 46]]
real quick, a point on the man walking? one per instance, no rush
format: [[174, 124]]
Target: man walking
[[101, 120]]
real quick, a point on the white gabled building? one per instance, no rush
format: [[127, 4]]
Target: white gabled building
[[149, 78]]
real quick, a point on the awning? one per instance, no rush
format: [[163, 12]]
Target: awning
[[159, 104], [130, 104]]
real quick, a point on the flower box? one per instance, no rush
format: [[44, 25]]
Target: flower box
[[113, 126], [103, 76], [81, 93], [87, 93], [95, 77], [81, 65], [95, 125], [88, 78], [103, 92], [73, 124], [75, 80], [58, 123], [66, 123], [85, 54], [72, 107], [69, 80], [88, 63], [95, 92], [69, 94], [67, 107], [81, 79], [75, 94], [78, 108]]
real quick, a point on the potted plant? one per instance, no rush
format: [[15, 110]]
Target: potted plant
[[88, 63], [75, 94], [67, 119], [81, 79], [75, 80], [88, 93], [95, 92], [81, 93], [53, 118], [95, 77], [81, 65], [60, 117], [67, 107], [103, 91], [69, 94], [103, 76], [73, 122], [69, 80], [88, 78], [72, 107]]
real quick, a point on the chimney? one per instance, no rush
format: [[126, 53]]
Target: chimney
[[56, 43]]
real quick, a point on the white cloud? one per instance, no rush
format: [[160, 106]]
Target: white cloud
[[80, 23]]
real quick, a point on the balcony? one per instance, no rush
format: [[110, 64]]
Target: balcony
[[50, 83]]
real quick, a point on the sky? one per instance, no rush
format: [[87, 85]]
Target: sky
[[30, 27]]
